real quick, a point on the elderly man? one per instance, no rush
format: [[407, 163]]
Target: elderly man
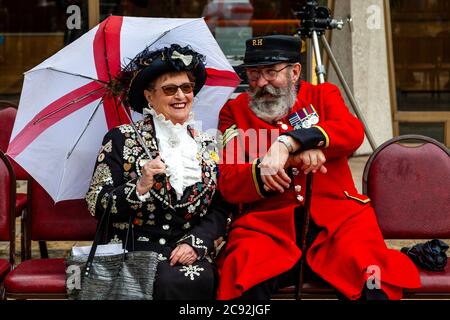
[[273, 135]]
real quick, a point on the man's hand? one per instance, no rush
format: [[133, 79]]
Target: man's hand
[[183, 254], [310, 161], [272, 168]]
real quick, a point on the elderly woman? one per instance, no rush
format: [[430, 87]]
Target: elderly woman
[[171, 198]]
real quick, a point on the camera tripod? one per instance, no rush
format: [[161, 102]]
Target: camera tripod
[[315, 20]]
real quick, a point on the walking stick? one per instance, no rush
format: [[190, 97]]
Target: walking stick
[[314, 21], [304, 233]]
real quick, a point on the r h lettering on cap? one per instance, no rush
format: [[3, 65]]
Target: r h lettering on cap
[[257, 42]]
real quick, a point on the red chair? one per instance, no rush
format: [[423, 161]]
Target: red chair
[[409, 185], [409, 188], [64, 221], [7, 216], [7, 118]]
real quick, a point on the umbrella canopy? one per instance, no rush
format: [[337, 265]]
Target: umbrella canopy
[[67, 105]]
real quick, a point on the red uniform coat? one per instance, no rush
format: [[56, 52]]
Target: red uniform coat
[[261, 241]]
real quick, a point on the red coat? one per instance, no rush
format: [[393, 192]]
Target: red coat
[[261, 242]]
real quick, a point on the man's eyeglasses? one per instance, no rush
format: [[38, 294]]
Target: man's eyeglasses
[[171, 89], [268, 74]]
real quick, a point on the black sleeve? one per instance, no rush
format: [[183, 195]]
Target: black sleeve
[[311, 138], [108, 176]]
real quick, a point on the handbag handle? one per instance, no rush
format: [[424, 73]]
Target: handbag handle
[[99, 233]]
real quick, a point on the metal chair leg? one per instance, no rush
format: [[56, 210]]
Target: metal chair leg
[[2, 291], [43, 249]]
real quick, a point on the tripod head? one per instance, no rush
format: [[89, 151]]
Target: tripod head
[[316, 18]]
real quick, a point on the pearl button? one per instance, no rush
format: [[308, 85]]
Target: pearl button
[[166, 227], [298, 188], [300, 198], [162, 241], [151, 216], [168, 216], [295, 171]]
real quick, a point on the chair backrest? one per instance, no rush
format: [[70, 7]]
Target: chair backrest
[[7, 103], [66, 220], [409, 185], [7, 204], [7, 118]]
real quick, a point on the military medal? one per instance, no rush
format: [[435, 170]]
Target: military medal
[[306, 123], [295, 121], [313, 116]]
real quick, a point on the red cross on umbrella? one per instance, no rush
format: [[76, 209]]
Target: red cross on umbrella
[[68, 102]]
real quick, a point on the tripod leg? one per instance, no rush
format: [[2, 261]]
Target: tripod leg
[[353, 102], [320, 69]]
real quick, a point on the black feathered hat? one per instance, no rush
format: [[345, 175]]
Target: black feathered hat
[[149, 65]]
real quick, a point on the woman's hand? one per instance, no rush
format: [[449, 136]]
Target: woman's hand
[[272, 168], [183, 254], [149, 170], [310, 161]]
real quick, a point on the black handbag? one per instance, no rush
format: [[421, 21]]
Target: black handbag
[[125, 276], [429, 255]]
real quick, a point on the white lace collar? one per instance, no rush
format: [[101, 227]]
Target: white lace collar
[[168, 123], [178, 149]]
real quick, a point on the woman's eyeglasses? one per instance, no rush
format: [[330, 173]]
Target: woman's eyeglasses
[[171, 89], [268, 74]]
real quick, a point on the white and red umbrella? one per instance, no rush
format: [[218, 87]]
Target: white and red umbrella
[[67, 106]]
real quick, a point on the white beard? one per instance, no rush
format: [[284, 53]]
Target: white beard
[[274, 107]]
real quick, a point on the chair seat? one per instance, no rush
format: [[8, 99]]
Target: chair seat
[[37, 276], [21, 203], [5, 266], [433, 282]]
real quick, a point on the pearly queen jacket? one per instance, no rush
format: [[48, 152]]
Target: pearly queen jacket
[[161, 222], [261, 242]]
